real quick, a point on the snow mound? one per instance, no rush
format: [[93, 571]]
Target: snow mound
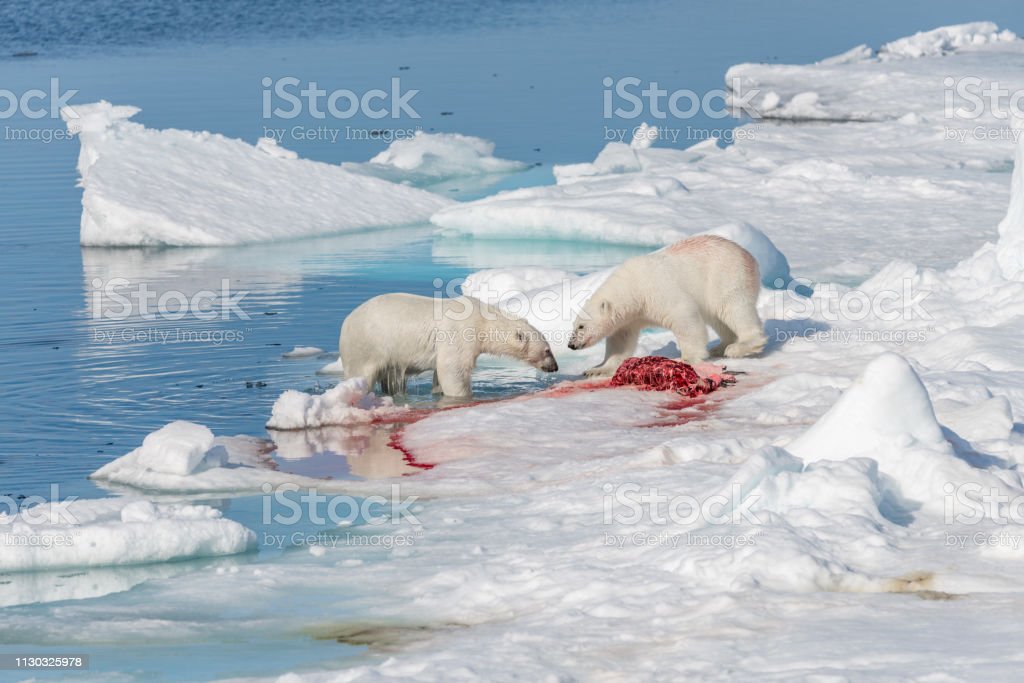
[[615, 157], [772, 263], [887, 416], [943, 40], [116, 531], [179, 448], [273, 148], [433, 157], [1011, 228], [886, 406], [172, 187], [350, 402]]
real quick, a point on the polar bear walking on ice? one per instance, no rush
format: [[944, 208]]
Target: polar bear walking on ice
[[393, 336], [700, 281]]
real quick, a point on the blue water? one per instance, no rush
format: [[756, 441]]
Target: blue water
[[527, 75]]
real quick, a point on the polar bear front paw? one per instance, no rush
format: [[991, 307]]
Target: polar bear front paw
[[599, 371]]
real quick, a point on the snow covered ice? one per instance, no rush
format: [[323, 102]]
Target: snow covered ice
[[429, 158], [116, 531], [141, 188], [350, 402]]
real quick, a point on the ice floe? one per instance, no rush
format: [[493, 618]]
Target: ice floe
[[172, 187], [116, 531], [428, 158]]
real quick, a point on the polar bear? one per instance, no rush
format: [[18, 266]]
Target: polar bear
[[696, 282], [393, 336]]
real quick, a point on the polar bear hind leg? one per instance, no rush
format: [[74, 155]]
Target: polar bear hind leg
[[748, 337], [726, 336]]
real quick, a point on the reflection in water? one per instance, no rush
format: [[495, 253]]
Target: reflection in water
[[100, 384], [359, 452], [269, 272]]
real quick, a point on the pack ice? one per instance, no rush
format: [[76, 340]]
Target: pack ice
[[840, 487]]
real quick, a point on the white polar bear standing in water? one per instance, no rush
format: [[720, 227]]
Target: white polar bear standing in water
[[393, 336], [700, 281]]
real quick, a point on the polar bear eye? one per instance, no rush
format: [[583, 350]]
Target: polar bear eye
[[580, 326], [520, 337]]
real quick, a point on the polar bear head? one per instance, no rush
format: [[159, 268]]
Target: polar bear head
[[596, 320], [519, 339]]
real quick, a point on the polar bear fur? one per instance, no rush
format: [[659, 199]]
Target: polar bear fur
[[685, 287], [393, 336]]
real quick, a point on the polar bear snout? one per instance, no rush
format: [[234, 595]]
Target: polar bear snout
[[549, 364], [578, 338]]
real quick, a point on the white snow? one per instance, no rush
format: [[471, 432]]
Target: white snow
[[116, 531], [886, 406], [943, 40], [179, 448], [350, 402], [428, 158], [173, 187]]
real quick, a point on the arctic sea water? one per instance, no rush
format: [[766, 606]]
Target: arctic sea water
[[528, 75]]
